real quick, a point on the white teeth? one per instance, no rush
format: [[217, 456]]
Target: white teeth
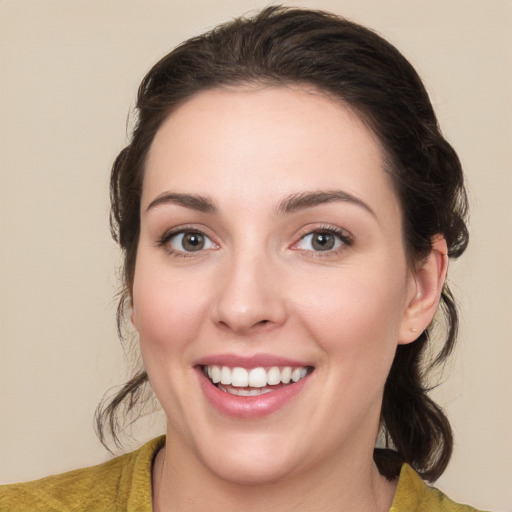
[[215, 374], [225, 375], [274, 376], [247, 392], [286, 375], [239, 377], [298, 373], [257, 378]]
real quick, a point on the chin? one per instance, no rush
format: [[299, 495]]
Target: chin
[[251, 459], [242, 471]]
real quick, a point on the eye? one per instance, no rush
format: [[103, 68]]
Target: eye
[[188, 241], [322, 240]]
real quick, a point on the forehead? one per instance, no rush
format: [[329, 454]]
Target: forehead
[[263, 143]]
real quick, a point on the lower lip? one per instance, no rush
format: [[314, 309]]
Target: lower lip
[[249, 407]]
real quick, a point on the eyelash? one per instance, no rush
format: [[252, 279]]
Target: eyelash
[[166, 238], [343, 236]]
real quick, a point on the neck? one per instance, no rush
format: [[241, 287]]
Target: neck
[[335, 486]]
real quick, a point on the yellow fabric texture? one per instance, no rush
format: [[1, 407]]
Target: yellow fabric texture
[[124, 484], [414, 495], [121, 484]]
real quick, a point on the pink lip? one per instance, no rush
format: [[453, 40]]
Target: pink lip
[[250, 407], [254, 361]]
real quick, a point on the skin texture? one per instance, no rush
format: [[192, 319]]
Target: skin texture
[[259, 286]]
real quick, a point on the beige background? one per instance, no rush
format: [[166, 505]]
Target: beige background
[[69, 72]]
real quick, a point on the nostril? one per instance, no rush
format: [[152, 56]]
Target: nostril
[[261, 324], [246, 328]]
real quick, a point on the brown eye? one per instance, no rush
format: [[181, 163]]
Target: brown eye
[[190, 241], [323, 241]]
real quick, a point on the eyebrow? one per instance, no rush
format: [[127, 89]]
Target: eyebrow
[[290, 204], [192, 201], [305, 200]]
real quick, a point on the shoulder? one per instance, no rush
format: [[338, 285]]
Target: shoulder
[[112, 485], [414, 495]]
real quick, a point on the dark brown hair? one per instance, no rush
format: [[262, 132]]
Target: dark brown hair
[[353, 64]]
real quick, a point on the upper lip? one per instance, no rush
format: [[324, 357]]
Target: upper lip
[[252, 361]]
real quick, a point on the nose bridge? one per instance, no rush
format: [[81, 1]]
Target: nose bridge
[[250, 296]]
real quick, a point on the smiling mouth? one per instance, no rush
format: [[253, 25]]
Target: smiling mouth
[[254, 381]]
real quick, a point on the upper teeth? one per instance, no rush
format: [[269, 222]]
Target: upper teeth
[[255, 377]]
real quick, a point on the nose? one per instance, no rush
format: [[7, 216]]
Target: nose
[[251, 296]]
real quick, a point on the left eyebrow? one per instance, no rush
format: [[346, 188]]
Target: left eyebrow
[[305, 200]]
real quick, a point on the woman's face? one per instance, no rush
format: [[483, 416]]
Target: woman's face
[[270, 243]]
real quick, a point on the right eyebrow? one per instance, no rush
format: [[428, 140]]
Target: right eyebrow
[[192, 201]]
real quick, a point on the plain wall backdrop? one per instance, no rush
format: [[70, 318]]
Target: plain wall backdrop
[[69, 70]]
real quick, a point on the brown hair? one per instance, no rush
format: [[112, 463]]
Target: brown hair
[[355, 65]]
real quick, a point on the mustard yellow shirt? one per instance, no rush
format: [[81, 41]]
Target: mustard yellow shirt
[[124, 484]]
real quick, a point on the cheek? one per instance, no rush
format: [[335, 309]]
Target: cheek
[[355, 316], [165, 313], [166, 308]]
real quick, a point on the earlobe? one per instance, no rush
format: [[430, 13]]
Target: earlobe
[[427, 285]]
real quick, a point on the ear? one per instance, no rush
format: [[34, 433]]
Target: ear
[[426, 284]]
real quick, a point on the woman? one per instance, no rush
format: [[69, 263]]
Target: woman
[[286, 209]]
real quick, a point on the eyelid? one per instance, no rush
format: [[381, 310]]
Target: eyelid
[[209, 244], [170, 234], [341, 234]]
